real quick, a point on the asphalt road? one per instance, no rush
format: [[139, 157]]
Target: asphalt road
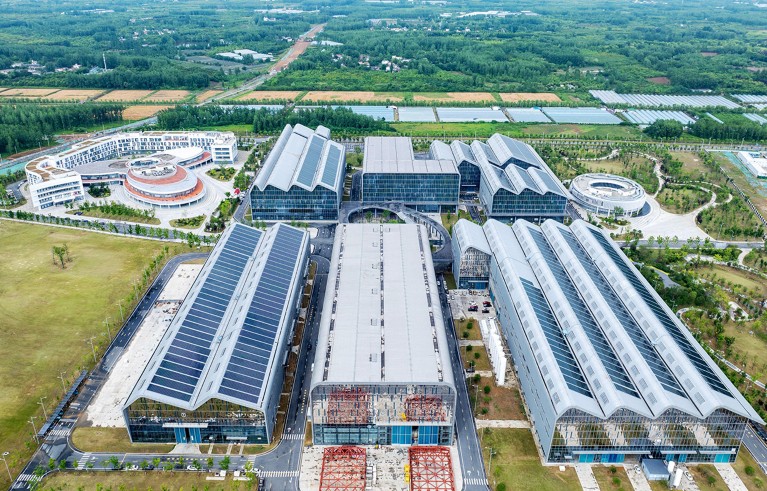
[[756, 446], [469, 451]]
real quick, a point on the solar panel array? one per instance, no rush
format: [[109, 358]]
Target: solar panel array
[[650, 100], [581, 115], [527, 115], [602, 347], [179, 371], [756, 118], [331, 165], [470, 114], [649, 116], [562, 354], [246, 371], [416, 115], [632, 329], [663, 317], [311, 161]]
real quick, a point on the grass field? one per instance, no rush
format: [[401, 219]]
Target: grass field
[[503, 403], [707, 477], [92, 439], [758, 479], [523, 130], [135, 113], [682, 200], [691, 162], [49, 313], [453, 97], [516, 463], [742, 278], [270, 95], [357, 96], [605, 478], [125, 218], [139, 481]]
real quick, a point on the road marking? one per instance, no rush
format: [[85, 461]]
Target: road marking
[[475, 481], [278, 474]]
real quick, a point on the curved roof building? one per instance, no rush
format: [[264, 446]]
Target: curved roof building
[[608, 194], [606, 368], [217, 373], [302, 177]]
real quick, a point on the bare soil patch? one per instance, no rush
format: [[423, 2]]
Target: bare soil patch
[[660, 80]]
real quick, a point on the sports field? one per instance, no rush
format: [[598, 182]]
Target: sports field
[[49, 313]]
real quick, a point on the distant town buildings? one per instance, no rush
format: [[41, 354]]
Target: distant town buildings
[[755, 162]]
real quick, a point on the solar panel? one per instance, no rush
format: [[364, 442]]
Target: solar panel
[[179, 371], [249, 362], [671, 327], [331, 166], [311, 161], [604, 351], [638, 337], [559, 347]]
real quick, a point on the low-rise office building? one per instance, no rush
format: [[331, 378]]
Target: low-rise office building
[[382, 372], [55, 180], [392, 173], [608, 194], [302, 178], [471, 256], [606, 369], [217, 373]]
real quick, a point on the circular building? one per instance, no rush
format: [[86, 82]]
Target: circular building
[[608, 194], [159, 181]]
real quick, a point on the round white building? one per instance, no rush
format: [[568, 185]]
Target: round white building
[[608, 194]]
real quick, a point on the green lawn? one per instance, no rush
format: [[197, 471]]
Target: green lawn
[[516, 463], [611, 481], [140, 481], [93, 439], [126, 218], [757, 479], [528, 130], [48, 314]]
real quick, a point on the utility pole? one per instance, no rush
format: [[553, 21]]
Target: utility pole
[[109, 331], [61, 377], [93, 348], [5, 455], [42, 405], [122, 317]]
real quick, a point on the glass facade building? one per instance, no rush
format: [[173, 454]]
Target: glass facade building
[[217, 373], [302, 177], [607, 371], [471, 256], [381, 373]]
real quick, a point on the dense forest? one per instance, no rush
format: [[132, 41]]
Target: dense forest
[[24, 126], [265, 121]]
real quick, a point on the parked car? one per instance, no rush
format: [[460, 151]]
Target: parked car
[[688, 475]]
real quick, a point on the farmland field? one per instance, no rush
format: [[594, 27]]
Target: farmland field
[[453, 97], [167, 96], [74, 94], [270, 95], [135, 113], [28, 92], [347, 96], [124, 95], [529, 96], [204, 96], [49, 312]]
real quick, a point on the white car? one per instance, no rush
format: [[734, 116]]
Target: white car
[[192, 468], [688, 475]]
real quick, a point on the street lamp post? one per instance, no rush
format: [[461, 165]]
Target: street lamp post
[[109, 331], [32, 422], [122, 317], [42, 404], [63, 384], [93, 348], [5, 455], [490, 462]]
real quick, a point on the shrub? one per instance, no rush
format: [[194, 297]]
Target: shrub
[[749, 470], [613, 469], [616, 481], [501, 487], [476, 355], [470, 348], [486, 389]]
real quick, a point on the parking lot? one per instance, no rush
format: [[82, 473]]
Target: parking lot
[[462, 300]]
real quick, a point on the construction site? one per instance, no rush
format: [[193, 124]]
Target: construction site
[[352, 468]]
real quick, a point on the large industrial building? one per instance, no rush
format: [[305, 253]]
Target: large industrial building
[[55, 180], [382, 372], [607, 371], [302, 178], [471, 256], [392, 173], [217, 373]]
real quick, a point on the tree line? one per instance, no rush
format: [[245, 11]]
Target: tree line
[[24, 126]]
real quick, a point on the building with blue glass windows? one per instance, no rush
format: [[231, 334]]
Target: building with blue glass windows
[[515, 182], [302, 178], [392, 173], [217, 373], [382, 372], [471, 256], [607, 371]]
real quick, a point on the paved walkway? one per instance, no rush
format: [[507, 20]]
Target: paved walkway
[[186, 449], [470, 342], [502, 423], [730, 477], [638, 479], [586, 476]]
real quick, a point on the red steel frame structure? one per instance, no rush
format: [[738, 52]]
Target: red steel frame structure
[[349, 406], [431, 469], [421, 407], [343, 469]]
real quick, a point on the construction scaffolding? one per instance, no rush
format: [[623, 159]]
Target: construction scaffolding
[[421, 407], [431, 469], [349, 406], [343, 469]]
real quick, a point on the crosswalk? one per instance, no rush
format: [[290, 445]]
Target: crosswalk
[[293, 436], [87, 457], [58, 432], [475, 481], [278, 473], [26, 481]]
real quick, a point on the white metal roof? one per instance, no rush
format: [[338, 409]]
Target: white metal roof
[[602, 337], [394, 154], [470, 235], [382, 321], [303, 158]]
